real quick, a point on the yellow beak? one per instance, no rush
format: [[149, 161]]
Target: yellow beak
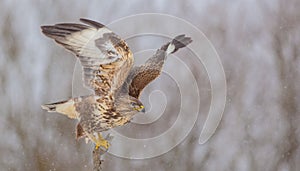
[[140, 109]]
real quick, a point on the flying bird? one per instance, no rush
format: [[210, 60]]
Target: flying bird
[[107, 64]]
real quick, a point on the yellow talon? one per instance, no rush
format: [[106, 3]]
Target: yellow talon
[[102, 142], [97, 146], [99, 141]]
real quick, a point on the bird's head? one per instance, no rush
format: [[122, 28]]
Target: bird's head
[[129, 105]]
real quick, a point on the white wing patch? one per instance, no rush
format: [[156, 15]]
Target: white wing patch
[[83, 43], [170, 48]]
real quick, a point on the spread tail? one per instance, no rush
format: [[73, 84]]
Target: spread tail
[[66, 107]]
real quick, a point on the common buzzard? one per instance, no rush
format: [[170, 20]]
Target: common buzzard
[[107, 69]]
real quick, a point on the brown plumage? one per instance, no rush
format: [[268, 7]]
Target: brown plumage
[[107, 69]]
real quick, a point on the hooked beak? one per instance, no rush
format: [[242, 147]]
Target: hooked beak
[[141, 109]]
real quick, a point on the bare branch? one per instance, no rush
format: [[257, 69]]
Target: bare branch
[[97, 153]]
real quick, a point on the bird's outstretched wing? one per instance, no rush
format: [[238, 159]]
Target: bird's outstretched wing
[[105, 57], [140, 77]]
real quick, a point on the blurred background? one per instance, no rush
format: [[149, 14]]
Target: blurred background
[[258, 44]]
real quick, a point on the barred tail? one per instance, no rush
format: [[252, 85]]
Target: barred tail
[[66, 107], [178, 42]]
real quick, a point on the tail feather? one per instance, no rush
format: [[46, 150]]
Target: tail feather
[[66, 107], [52, 107]]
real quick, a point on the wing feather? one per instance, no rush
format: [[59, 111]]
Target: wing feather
[[105, 57], [140, 77]]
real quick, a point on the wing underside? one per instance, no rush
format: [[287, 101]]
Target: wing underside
[[104, 56]]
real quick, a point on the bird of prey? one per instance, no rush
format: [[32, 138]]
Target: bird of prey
[[107, 64]]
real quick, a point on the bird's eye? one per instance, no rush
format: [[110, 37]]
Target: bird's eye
[[133, 104]]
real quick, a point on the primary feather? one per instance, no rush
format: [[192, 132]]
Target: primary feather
[[105, 58]]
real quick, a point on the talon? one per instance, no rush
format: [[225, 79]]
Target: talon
[[99, 141], [97, 146], [102, 143]]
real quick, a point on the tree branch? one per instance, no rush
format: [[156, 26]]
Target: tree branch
[[97, 153]]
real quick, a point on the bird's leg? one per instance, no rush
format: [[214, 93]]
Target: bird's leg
[[102, 141], [99, 141]]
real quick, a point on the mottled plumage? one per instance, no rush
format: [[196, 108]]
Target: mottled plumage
[[107, 69]]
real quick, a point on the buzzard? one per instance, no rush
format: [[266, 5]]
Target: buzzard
[[107, 64]]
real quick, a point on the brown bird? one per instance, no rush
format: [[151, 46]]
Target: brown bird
[[107, 69]]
